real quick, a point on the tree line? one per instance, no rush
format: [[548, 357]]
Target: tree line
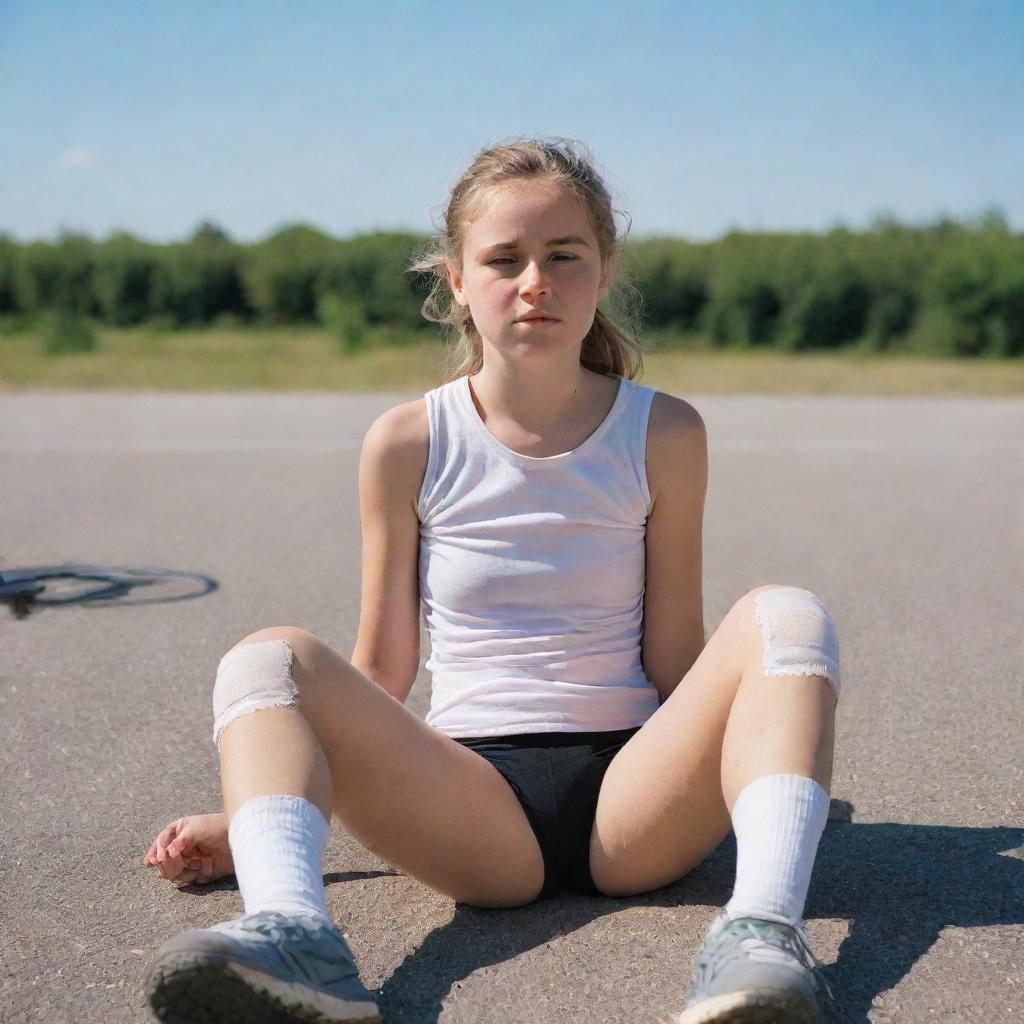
[[951, 288]]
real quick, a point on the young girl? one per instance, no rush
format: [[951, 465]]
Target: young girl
[[545, 514]]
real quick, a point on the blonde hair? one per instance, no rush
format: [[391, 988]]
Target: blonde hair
[[611, 346]]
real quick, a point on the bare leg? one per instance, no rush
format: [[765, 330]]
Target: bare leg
[[777, 725], [410, 794], [273, 751], [666, 798]]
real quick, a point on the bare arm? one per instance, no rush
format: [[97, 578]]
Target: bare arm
[[673, 633], [391, 467]]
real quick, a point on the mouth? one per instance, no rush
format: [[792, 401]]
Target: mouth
[[538, 321]]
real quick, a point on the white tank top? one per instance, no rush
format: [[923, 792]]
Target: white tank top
[[531, 574]]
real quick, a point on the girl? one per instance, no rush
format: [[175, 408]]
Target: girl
[[545, 514]]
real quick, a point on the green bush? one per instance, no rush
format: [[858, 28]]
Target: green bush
[[122, 279], [345, 320], [51, 276], [18, 323], [949, 289], [371, 271], [279, 275], [934, 333], [742, 311], [889, 318], [193, 282], [227, 322], [744, 299], [68, 331], [829, 310], [674, 279], [8, 265]]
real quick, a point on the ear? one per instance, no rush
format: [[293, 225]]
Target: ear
[[455, 282]]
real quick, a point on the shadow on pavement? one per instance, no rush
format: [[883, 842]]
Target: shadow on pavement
[[898, 886], [25, 590]]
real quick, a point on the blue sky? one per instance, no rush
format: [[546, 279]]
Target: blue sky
[[356, 116]]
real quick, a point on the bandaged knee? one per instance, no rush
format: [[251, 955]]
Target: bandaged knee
[[250, 677], [798, 636]]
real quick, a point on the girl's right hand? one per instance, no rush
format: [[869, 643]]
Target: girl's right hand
[[193, 849]]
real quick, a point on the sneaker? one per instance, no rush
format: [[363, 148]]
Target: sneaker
[[259, 968], [755, 970]]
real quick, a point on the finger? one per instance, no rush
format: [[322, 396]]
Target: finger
[[169, 865], [174, 848], [168, 835], [182, 842], [172, 870]]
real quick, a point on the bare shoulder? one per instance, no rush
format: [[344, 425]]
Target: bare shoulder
[[398, 441], [668, 410], [676, 441], [403, 429]]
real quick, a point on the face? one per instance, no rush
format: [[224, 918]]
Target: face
[[552, 265]]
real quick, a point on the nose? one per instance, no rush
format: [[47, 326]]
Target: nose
[[534, 282]]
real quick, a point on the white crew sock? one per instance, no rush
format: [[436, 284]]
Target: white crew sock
[[277, 843], [778, 820]]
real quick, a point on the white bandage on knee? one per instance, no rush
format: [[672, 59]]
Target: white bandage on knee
[[798, 636], [252, 676]]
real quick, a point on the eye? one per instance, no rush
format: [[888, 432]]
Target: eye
[[511, 259]]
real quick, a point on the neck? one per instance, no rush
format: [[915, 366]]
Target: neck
[[539, 399]]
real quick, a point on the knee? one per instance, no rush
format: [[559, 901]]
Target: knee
[[294, 636], [796, 634], [258, 672]]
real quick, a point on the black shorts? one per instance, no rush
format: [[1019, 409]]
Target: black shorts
[[557, 777]]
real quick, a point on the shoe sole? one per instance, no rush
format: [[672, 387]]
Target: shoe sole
[[752, 1007], [205, 989]]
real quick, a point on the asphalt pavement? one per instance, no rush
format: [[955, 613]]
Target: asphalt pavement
[[903, 514]]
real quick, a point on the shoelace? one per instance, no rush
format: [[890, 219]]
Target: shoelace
[[749, 937], [296, 940]]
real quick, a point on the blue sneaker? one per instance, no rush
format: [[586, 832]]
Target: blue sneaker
[[756, 970], [264, 968]]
